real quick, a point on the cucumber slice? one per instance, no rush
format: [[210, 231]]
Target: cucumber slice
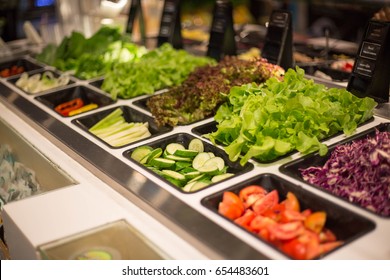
[[188, 170], [211, 169], [140, 152], [180, 165], [177, 183], [176, 158], [198, 186], [200, 159], [172, 147], [173, 174], [192, 175], [221, 177], [187, 187], [161, 163], [200, 177], [211, 154], [156, 153], [218, 161], [196, 145], [186, 153]]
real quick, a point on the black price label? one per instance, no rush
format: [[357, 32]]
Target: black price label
[[370, 50], [170, 25], [376, 32], [279, 19], [365, 67]]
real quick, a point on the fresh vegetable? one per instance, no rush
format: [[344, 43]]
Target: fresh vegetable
[[116, 131], [40, 82], [358, 171], [91, 57], [301, 235], [268, 121], [160, 68], [206, 88], [13, 70], [83, 109], [68, 106], [188, 169]]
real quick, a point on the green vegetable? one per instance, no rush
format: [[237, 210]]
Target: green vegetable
[[116, 131], [268, 121], [91, 57], [160, 68]]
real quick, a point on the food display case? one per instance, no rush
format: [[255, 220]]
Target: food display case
[[101, 195]]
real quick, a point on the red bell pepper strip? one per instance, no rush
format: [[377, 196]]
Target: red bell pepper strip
[[66, 107]]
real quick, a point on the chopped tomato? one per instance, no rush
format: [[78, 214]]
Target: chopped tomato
[[287, 231], [231, 211], [295, 249], [292, 202], [306, 212], [259, 222], [316, 221], [267, 202], [291, 216], [329, 246], [250, 194], [311, 241], [326, 235], [245, 219], [231, 198]]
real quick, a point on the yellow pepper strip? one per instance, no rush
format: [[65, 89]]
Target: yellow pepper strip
[[83, 109]]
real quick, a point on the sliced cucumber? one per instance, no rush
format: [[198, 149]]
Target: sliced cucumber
[[211, 169], [211, 154], [221, 177], [161, 163], [186, 153], [177, 183], [196, 145], [140, 152], [187, 187], [156, 153], [181, 165], [176, 158], [198, 186], [218, 161], [172, 147], [202, 176], [188, 170], [200, 159], [191, 175], [173, 174]]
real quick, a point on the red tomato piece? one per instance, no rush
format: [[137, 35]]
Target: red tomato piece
[[326, 235], [267, 202], [311, 241], [231, 211], [231, 198], [306, 212], [295, 249], [291, 202], [259, 222], [245, 219], [250, 194], [287, 231], [329, 246], [316, 221], [290, 216]]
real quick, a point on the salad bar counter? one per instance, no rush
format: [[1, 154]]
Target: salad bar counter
[[262, 176]]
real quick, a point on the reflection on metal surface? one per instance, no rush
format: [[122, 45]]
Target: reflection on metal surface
[[114, 241]]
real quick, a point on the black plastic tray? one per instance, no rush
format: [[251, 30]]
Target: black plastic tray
[[130, 115], [314, 159], [41, 71], [345, 224], [27, 65], [98, 83], [184, 139], [141, 103], [88, 95]]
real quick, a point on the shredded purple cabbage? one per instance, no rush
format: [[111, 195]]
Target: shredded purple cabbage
[[358, 171]]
